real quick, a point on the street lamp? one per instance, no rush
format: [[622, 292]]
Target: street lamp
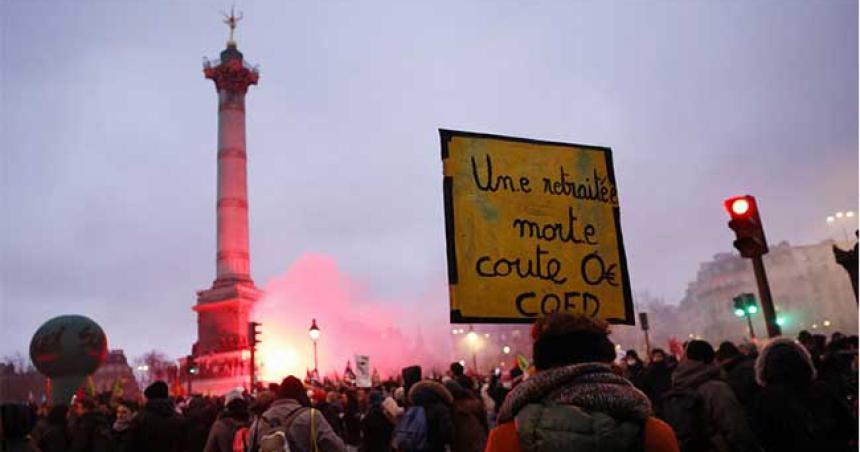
[[472, 339], [842, 218], [314, 333]]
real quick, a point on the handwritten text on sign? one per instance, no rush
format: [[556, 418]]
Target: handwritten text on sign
[[533, 228]]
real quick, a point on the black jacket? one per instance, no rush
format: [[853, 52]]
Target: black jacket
[[157, 427], [91, 433], [376, 430]]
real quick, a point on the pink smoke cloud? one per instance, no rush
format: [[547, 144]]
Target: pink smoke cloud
[[394, 333]]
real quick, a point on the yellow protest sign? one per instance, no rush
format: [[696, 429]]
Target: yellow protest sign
[[532, 227]]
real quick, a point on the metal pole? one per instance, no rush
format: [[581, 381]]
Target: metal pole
[[190, 376], [749, 322], [475, 360], [773, 329], [253, 368], [647, 345], [316, 363]]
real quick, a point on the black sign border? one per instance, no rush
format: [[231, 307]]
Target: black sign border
[[445, 136]]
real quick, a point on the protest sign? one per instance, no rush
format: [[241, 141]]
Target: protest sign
[[532, 227]]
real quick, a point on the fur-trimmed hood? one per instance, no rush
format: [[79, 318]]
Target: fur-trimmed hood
[[784, 360], [429, 391], [589, 386]]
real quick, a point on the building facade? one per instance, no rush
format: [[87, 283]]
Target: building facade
[[810, 292]]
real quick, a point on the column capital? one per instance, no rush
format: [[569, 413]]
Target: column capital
[[232, 76]]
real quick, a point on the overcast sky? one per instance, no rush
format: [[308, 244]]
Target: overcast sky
[[109, 130]]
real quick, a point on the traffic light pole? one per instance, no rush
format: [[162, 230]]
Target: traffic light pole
[[773, 329], [253, 368], [749, 323]]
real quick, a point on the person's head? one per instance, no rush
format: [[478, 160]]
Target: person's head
[[123, 412], [375, 398], [331, 397], [411, 375], [632, 358], [699, 350], [456, 369], [561, 339], [658, 355], [784, 361], [17, 421], [727, 351], [292, 388], [156, 391]]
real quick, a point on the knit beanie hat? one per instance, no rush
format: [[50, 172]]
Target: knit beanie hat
[[699, 350], [157, 390]]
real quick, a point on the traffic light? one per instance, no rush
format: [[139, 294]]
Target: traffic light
[[746, 223], [254, 333], [745, 304], [191, 365]]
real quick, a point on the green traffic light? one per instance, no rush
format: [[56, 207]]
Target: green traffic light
[[780, 321], [739, 312], [752, 309]]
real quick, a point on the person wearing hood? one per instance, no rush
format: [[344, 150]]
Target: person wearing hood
[[436, 401], [236, 414], [291, 420], [575, 401], [793, 411], [158, 426], [720, 421]]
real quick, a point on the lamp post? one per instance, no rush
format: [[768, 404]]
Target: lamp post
[[472, 338], [314, 333]]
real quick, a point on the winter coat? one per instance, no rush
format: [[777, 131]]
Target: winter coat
[[332, 415], [740, 375], [222, 433], [200, 416], [376, 431], [120, 431], [578, 407], [723, 414], [55, 438], [299, 431], [18, 445], [157, 427], [470, 425], [656, 381], [793, 411], [436, 401], [91, 433]]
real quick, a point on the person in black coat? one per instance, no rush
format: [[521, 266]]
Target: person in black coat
[[158, 426], [739, 372], [55, 438], [92, 430], [657, 378], [376, 429], [793, 411]]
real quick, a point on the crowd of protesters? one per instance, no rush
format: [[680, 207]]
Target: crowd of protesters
[[789, 396]]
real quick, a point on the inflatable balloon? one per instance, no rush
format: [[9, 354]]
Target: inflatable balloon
[[67, 349]]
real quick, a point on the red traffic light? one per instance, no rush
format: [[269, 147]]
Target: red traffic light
[[740, 206], [746, 223]]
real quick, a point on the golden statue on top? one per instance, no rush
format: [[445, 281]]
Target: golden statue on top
[[231, 22]]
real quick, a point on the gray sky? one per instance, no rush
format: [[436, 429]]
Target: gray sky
[[109, 128]]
